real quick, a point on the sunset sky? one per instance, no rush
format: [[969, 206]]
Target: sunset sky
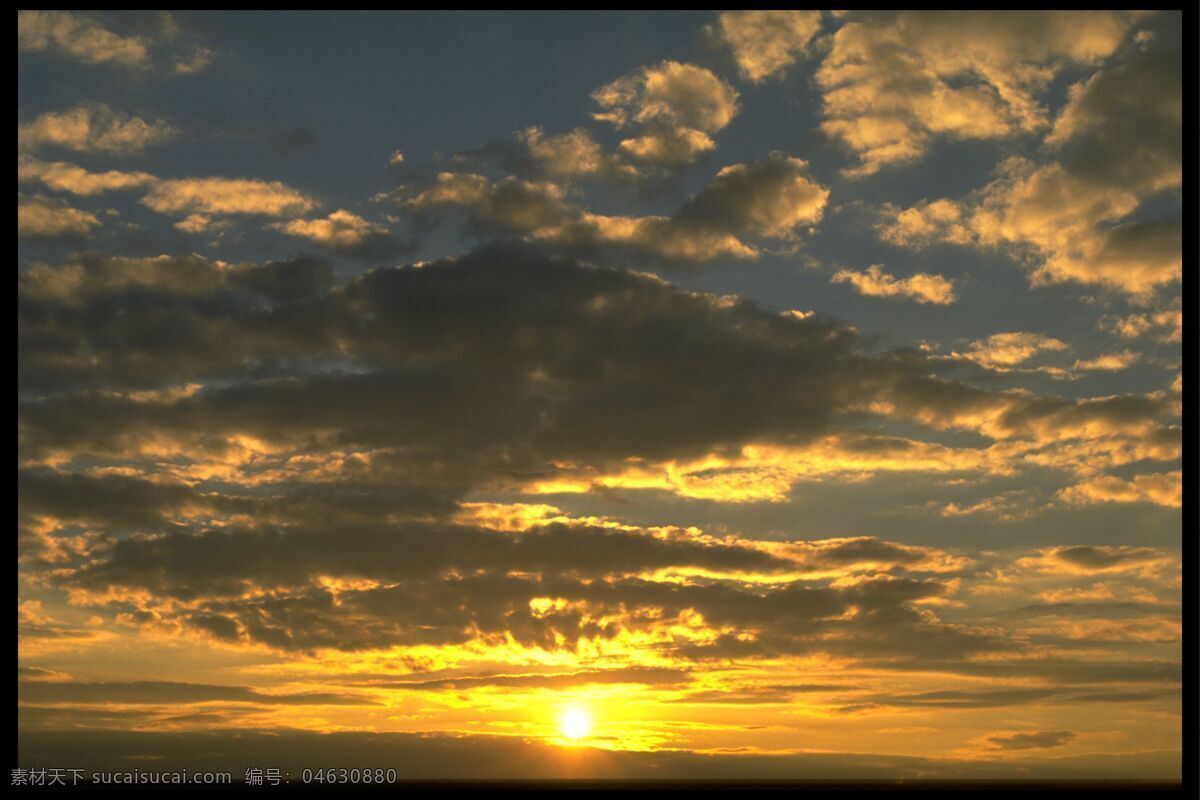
[[670, 395]]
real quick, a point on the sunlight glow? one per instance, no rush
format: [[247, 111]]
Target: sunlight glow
[[575, 723]]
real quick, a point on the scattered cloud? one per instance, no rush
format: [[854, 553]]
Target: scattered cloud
[[64, 177], [765, 43], [681, 95], [94, 127], [344, 232], [78, 37], [44, 217], [526, 469], [773, 198], [1163, 489], [226, 196], [1109, 362], [1075, 219], [1012, 348], [163, 47], [1031, 741], [925, 223], [893, 83], [677, 106], [922, 287], [1164, 324]]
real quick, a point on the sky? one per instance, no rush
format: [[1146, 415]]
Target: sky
[[787, 394]]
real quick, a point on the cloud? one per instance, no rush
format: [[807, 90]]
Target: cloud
[[1163, 489], [893, 83], [433, 756], [773, 198], [1001, 351], [1070, 224], [950, 699], [668, 146], [922, 287], [78, 37], [1092, 559], [226, 196], [925, 223], [550, 395], [344, 232], [538, 587], [94, 127], [647, 676], [568, 155], [165, 693], [199, 223], [676, 105], [166, 49], [262, 455], [1165, 324], [764, 472], [44, 217], [510, 205], [1109, 362], [682, 95], [1077, 218], [665, 238], [770, 197], [1123, 126], [64, 177], [1031, 741], [445, 496], [765, 43]]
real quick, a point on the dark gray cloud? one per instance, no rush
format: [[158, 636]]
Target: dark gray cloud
[[497, 363], [452, 584], [1124, 126], [1099, 557], [228, 560], [646, 676], [1061, 670], [378, 403], [433, 756], [1032, 741], [774, 198], [758, 695], [167, 693]]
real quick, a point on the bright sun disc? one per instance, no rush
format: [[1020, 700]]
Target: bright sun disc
[[575, 723]]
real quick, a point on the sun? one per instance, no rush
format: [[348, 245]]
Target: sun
[[575, 723]]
